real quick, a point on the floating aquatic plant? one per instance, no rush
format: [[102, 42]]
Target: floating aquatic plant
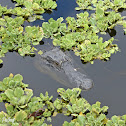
[[104, 4], [79, 35], [24, 109], [30, 10], [15, 37]]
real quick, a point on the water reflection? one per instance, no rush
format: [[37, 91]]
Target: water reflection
[[112, 32], [1, 65]]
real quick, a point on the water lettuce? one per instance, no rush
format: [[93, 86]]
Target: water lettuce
[[24, 109]]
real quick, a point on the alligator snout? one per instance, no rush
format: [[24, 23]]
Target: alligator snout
[[77, 79], [86, 84]]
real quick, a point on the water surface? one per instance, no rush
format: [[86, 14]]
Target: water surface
[[109, 77]]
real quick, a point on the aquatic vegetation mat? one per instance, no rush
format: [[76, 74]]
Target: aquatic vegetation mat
[[79, 34], [24, 109], [104, 4], [29, 9], [14, 37]]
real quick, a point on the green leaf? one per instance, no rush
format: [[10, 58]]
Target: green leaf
[[10, 109], [9, 93], [20, 116], [81, 120], [18, 92], [18, 77], [40, 52]]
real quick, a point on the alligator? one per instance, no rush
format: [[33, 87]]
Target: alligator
[[60, 62]]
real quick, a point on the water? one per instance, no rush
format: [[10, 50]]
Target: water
[[109, 77]]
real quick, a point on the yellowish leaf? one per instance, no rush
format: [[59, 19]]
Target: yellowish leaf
[[11, 75]]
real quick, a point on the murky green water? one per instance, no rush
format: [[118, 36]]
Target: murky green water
[[109, 77]]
